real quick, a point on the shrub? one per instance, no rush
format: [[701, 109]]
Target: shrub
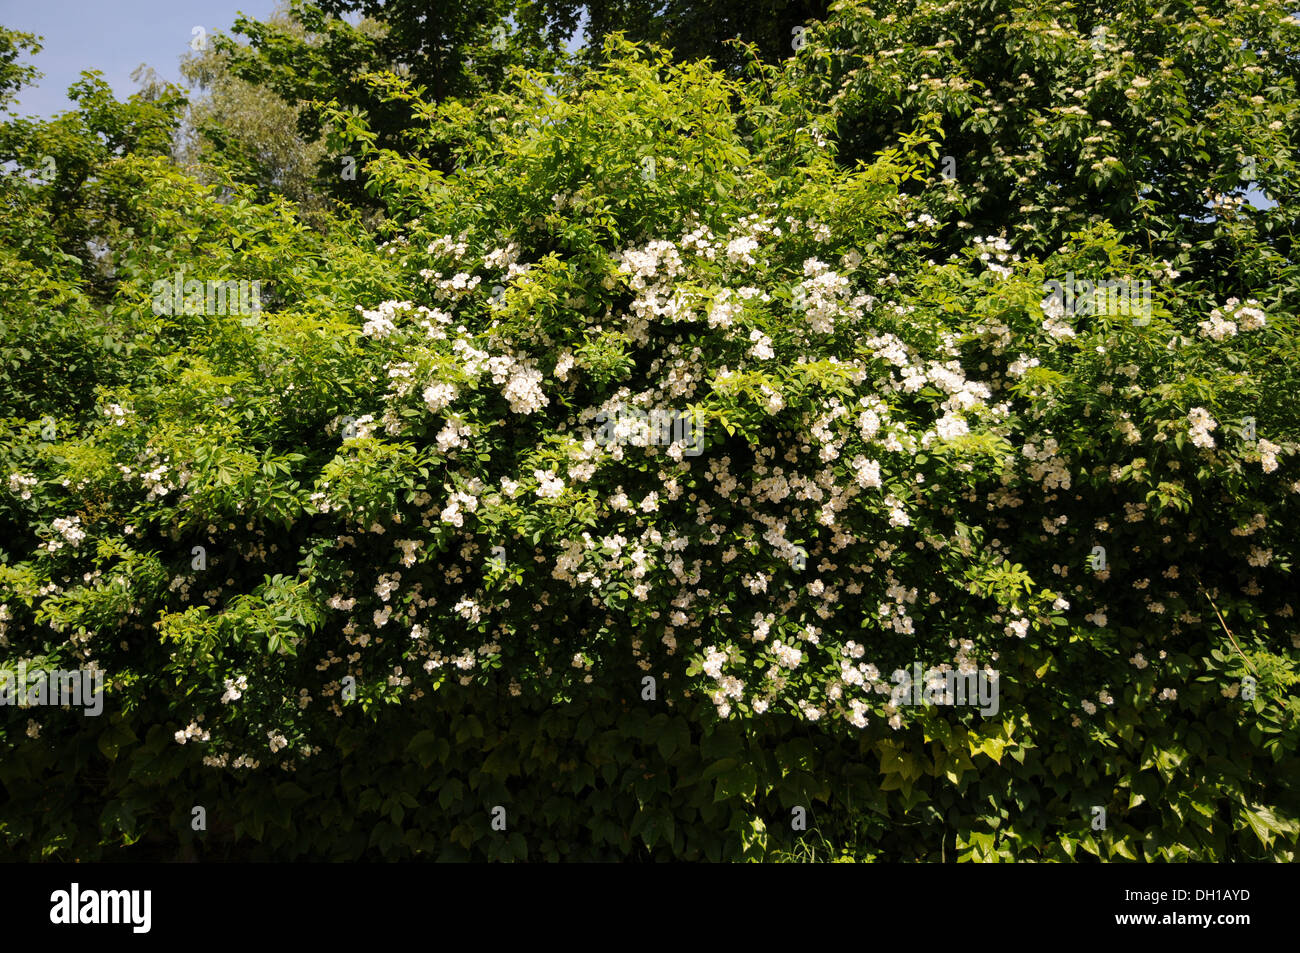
[[400, 543]]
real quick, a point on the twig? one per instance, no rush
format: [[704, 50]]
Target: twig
[[1247, 660]]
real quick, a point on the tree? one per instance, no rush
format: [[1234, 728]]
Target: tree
[[773, 28], [69, 211], [13, 75], [448, 50], [249, 132], [1153, 118]]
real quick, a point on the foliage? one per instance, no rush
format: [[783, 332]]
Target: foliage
[[771, 29], [387, 553], [314, 56], [249, 133], [1157, 118]]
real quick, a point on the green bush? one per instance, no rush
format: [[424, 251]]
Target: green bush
[[388, 555]]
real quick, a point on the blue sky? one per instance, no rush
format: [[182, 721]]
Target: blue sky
[[114, 36]]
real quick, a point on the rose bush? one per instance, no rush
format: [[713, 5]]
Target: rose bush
[[356, 526]]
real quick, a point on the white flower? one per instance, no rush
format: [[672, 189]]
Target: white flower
[[724, 310], [449, 437], [116, 413], [1259, 557], [438, 396], [786, 655], [740, 250], [69, 529], [408, 548], [1251, 317], [549, 485], [563, 365], [191, 731], [762, 348], [866, 472], [897, 515], [1200, 423], [820, 296], [1020, 365], [21, 484], [524, 390], [235, 688], [1268, 455], [500, 257], [380, 322], [1217, 328], [1058, 328], [1128, 430], [950, 427]]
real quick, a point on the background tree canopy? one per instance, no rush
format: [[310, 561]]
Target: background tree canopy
[[423, 418]]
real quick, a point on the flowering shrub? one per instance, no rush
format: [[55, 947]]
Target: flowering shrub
[[392, 495]]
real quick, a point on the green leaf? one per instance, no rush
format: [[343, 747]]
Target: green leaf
[[740, 781]]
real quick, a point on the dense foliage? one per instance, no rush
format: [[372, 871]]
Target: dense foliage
[[397, 548]]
